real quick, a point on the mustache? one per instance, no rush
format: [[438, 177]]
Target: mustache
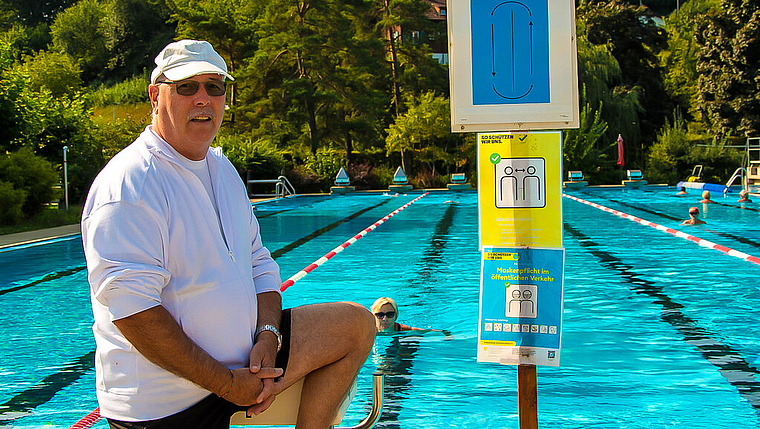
[[200, 113]]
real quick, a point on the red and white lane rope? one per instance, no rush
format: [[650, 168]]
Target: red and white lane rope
[[92, 418], [88, 420], [700, 241], [299, 275]]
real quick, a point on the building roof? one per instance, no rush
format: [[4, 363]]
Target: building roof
[[434, 14]]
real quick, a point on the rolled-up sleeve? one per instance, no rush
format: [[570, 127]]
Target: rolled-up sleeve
[[124, 246], [266, 272]]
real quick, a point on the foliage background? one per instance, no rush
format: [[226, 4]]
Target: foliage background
[[325, 84]]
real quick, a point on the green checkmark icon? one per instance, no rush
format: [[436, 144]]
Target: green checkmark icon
[[495, 158]]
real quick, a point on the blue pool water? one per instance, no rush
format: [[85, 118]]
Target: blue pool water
[[658, 332]]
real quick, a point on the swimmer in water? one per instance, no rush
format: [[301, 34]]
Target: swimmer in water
[[386, 313], [693, 220]]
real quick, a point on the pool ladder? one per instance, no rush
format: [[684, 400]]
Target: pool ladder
[[282, 186], [739, 172]]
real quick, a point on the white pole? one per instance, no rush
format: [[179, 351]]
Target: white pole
[[65, 178]]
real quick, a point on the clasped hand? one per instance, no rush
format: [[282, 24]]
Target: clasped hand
[[256, 385]]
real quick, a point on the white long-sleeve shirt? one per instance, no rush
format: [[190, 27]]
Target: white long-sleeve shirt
[[152, 237]]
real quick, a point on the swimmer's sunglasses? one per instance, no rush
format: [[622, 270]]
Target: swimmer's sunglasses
[[190, 87], [390, 314]]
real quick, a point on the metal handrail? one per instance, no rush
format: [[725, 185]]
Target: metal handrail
[[736, 174], [695, 173], [282, 187], [377, 404]]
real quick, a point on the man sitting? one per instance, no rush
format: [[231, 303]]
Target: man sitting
[[188, 320]]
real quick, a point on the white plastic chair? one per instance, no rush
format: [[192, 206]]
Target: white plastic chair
[[284, 409]]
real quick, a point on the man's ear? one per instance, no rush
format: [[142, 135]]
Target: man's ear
[[153, 95]]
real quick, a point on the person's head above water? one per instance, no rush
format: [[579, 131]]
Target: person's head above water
[[706, 195], [694, 211], [386, 312]]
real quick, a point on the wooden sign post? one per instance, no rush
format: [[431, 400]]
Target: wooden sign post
[[527, 396], [513, 73]]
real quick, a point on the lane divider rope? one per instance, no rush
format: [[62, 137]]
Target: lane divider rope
[[311, 267], [88, 420], [700, 241], [94, 416]]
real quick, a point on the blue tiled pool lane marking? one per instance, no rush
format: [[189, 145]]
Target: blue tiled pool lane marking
[[730, 363], [431, 257], [51, 276], [24, 402], [287, 248], [737, 207], [734, 237], [267, 214], [397, 367]]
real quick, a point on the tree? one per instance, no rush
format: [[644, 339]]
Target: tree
[[634, 40], [580, 147], [114, 39], [84, 32], [601, 81], [679, 60], [729, 67], [31, 13], [313, 79], [31, 174], [425, 129], [54, 71]]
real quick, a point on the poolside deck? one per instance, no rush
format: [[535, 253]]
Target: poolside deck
[[26, 237]]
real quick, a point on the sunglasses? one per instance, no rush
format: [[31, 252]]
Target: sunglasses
[[389, 315], [190, 87]]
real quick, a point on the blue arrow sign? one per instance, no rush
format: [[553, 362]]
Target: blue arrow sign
[[510, 51]]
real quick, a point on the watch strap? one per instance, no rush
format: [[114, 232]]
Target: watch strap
[[271, 329]]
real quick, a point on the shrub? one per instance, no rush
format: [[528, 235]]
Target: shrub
[[326, 163], [31, 174], [428, 179], [306, 182], [363, 176], [55, 71], [384, 175], [676, 152], [261, 158], [11, 201], [130, 91]]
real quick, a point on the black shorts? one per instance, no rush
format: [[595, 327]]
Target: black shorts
[[212, 412]]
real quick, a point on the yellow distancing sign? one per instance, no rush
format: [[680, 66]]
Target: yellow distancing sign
[[519, 189]]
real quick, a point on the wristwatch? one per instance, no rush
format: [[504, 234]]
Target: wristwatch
[[271, 329]]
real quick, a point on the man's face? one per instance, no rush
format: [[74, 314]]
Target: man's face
[[187, 122]]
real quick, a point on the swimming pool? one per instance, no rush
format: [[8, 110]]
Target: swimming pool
[[657, 332]]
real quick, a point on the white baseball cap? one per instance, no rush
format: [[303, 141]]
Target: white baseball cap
[[188, 58]]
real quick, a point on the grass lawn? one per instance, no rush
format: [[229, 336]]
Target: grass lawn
[[108, 114]]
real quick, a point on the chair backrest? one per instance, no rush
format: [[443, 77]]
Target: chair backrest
[[284, 409], [399, 178], [635, 174], [458, 178], [342, 177], [575, 176]]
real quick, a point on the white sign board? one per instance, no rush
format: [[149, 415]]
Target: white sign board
[[512, 65]]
